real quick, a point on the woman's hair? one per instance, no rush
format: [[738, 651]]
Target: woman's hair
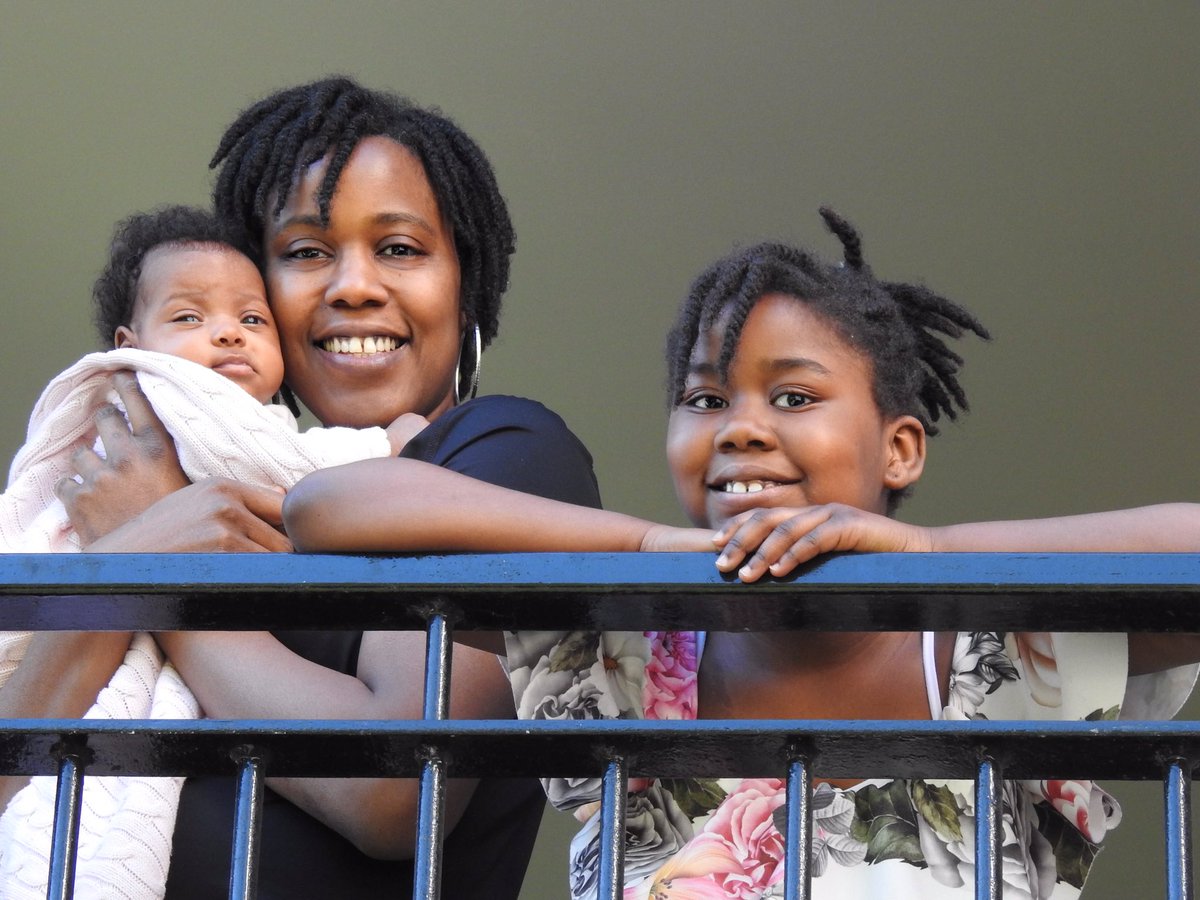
[[115, 290], [894, 325], [269, 145]]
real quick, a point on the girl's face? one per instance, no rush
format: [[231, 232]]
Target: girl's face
[[368, 306], [794, 424]]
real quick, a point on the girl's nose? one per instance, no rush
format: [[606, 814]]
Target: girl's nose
[[355, 280], [744, 427]]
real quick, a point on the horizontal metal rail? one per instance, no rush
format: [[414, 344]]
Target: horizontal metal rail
[[959, 592]]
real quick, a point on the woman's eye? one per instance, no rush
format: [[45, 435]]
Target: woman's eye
[[705, 401], [303, 253], [791, 400], [399, 250]]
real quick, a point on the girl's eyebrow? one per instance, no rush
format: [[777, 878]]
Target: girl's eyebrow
[[798, 362]]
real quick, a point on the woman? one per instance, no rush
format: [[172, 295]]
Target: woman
[[385, 247]]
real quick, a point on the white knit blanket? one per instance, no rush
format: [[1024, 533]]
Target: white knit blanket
[[127, 822]]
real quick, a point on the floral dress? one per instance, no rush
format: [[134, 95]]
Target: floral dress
[[701, 838]]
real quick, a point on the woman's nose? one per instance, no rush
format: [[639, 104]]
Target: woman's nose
[[355, 280]]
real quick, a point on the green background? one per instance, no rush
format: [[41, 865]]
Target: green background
[[1038, 163]]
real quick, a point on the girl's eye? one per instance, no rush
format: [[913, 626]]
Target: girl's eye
[[705, 401], [791, 400]]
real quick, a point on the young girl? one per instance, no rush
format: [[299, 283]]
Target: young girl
[[802, 394]]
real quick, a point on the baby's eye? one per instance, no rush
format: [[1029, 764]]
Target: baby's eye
[[255, 319], [791, 400], [186, 317], [705, 401]]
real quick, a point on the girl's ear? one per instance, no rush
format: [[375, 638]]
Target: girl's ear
[[905, 453], [124, 337]]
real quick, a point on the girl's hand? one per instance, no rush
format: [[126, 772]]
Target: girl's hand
[[774, 541]]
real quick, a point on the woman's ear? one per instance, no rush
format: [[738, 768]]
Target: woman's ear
[[124, 337], [905, 453]]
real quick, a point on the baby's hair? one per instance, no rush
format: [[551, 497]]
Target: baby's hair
[[115, 290], [895, 326], [267, 148]]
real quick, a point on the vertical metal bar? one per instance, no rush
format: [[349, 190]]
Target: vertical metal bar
[[798, 853], [989, 830], [427, 863], [64, 845], [613, 798], [1177, 788], [247, 826]]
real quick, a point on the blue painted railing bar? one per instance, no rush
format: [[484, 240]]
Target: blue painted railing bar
[[621, 591], [248, 802], [1178, 796], [64, 843], [961, 592], [989, 833], [431, 799], [798, 849], [614, 792]]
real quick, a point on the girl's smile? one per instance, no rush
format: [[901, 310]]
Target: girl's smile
[[794, 423]]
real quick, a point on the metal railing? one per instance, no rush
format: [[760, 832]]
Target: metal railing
[[951, 592]]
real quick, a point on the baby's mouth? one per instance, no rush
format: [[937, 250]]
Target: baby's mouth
[[360, 346]]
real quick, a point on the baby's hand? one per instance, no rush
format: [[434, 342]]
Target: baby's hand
[[777, 540], [406, 427]]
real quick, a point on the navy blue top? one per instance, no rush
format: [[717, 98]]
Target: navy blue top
[[508, 441]]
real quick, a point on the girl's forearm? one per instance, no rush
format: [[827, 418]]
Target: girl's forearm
[[1166, 528]]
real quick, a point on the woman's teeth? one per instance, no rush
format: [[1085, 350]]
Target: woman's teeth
[[362, 345]]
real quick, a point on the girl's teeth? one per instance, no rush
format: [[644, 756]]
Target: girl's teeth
[[745, 487]]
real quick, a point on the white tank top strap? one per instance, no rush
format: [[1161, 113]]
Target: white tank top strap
[[932, 688]]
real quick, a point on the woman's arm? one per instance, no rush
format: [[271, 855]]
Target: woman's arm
[[419, 507], [242, 675]]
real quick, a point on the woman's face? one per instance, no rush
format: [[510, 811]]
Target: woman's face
[[368, 306]]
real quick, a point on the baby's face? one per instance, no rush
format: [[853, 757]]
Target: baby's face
[[207, 303]]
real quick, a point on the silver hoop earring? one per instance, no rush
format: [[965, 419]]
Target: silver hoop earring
[[469, 379]]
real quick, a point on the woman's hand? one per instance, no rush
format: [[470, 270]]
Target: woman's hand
[[774, 541], [139, 467], [136, 498]]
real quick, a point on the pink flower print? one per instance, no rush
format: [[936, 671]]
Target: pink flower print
[[744, 826], [1036, 650], [688, 875], [669, 691], [1085, 805]]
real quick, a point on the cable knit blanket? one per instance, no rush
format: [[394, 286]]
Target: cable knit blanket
[[127, 823]]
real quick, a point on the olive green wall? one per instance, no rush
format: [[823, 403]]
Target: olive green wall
[[1037, 162]]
